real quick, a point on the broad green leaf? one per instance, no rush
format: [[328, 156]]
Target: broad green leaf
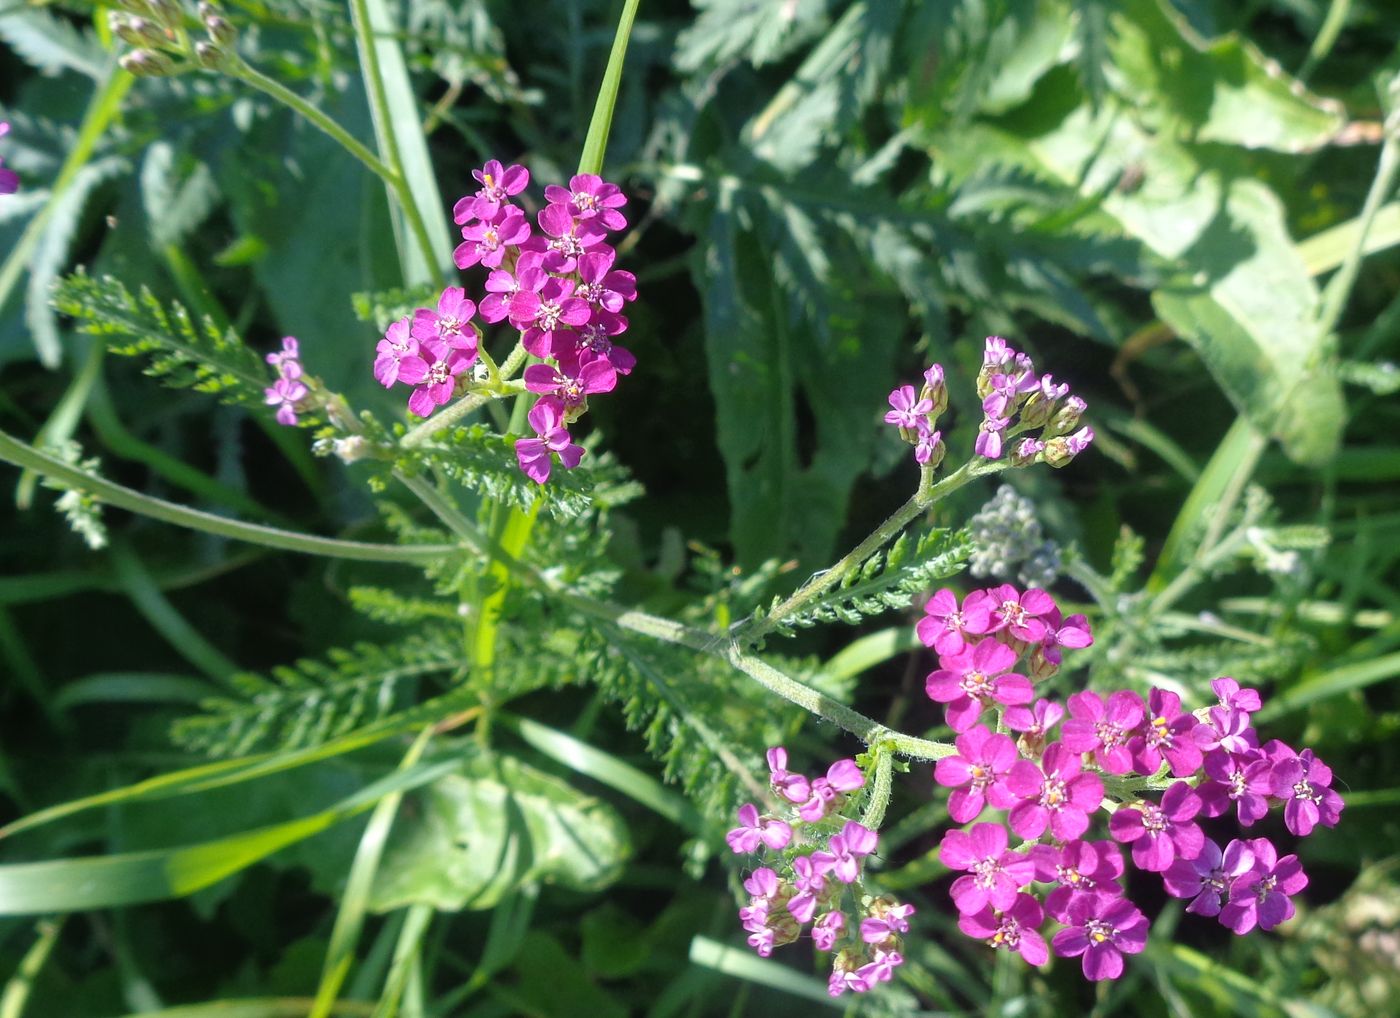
[[493, 826], [72, 885], [1222, 90]]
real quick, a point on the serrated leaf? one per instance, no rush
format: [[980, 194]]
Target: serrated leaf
[[51, 44], [474, 836]]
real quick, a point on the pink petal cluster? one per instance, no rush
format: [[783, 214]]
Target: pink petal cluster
[[1051, 789], [1015, 401], [916, 415], [554, 281], [288, 390], [821, 856]]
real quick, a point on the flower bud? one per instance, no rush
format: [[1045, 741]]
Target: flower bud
[[220, 30], [166, 12], [138, 7], [1060, 450], [134, 30], [209, 56], [144, 63], [935, 390], [1066, 417], [1024, 453]]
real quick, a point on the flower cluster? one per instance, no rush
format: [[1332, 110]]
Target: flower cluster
[[9, 180], [916, 416], [1051, 785], [554, 282], [800, 887], [289, 389]]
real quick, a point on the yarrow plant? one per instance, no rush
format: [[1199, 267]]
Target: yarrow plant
[[554, 282], [813, 856], [1160, 769]]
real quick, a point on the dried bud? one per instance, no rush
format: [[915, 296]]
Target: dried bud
[[144, 63]]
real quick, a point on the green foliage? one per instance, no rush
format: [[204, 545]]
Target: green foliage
[[493, 826], [887, 580], [314, 701], [181, 351]]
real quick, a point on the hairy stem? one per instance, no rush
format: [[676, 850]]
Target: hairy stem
[[449, 416]]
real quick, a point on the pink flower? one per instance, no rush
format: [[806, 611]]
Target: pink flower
[[927, 446], [1206, 879], [973, 678], [827, 929], [450, 323], [1260, 896], [397, 356], [810, 882], [1104, 729], [1166, 734], [287, 360], [604, 288], [1077, 867], [754, 830], [977, 774], [945, 626], [1015, 929], [1036, 721], [501, 286], [988, 442], [1073, 632], [1305, 784], [438, 382], [1228, 729], [542, 306], [569, 239], [535, 455], [1160, 834], [994, 873], [847, 849], [841, 777], [885, 920], [590, 197], [497, 186], [1245, 779], [792, 787], [1060, 797], [284, 394], [908, 408], [593, 341], [595, 376], [1018, 613], [1102, 928], [1231, 695], [487, 241]]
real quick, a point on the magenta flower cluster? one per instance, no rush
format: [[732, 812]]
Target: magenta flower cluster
[[992, 646], [1014, 403], [554, 282], [813, 856], [9, 180], [289, 389]]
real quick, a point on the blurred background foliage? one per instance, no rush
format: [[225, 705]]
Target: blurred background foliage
[[1151, 197]]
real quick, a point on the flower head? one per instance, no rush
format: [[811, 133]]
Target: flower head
[[1104, 728], [977, 774], [1305, 784], [1260, 896], [846, 851], [1102, 928], [536, 455], [1161, 833], [975, 677], [945, 627], [754, 830], [994, 875], [1058, 794], [1013, 929], [498, 185]]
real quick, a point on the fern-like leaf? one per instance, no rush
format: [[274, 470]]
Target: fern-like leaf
[[183, 352], [312, 702], [886, 580]]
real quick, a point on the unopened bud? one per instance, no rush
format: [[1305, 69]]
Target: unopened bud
[[167, 13], [1066, 418], [208, 10], [220, 30], [135, 6], [1060, 450], [144, 63], [1024, 453], [209, 56]]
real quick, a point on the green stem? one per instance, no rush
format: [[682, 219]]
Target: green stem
[[596, 142], [880, 789], [755, 627], [26, 456]]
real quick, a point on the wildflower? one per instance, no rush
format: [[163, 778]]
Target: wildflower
[[1104, 729], [1017, 613], [1015, 928], [1058, 794], [1227, 729], [810, 882], [589, 196], [1059, 451], [1102, 928], [1232, 696], [1304, 783], [284, 394], [841, 777], [847, 849], [1206, 879], [994, 875], [754, 830], [593, 341], [1260, 896], [827, 930], [1026, 452], [542, 306], [1246, 779], [792, 787], [928, 447], [572, 391], [287, 361], [1072, 632], [439, 379], [908, 409], [945, 626], [1160, 833], [1165, 735], [450, 323], [605, 288], [977, 774], [498, 185], [502, 285], [569, 238], [988, 442], [1034, 722], [935, 390], [885, 919], [535, 455], [1076, 867], [9, 179], [486, 241], [973, 678]]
